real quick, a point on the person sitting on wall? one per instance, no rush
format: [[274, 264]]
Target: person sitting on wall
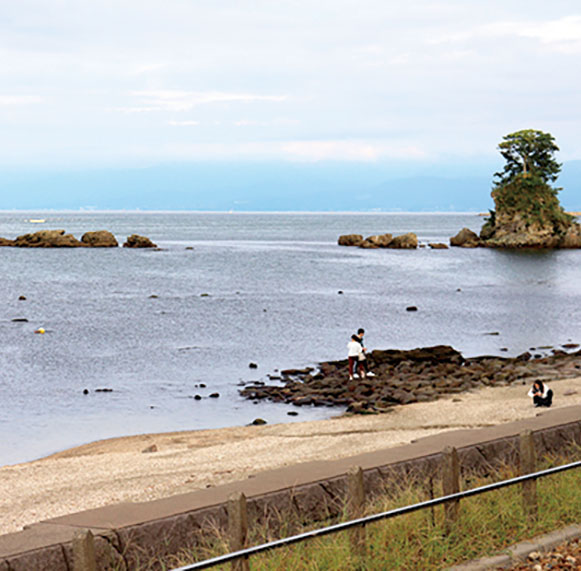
[[541, 394]]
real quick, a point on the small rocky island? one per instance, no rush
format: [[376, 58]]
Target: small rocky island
[[59, 239], [527, 212]]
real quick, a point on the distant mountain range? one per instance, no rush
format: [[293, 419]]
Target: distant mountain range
[[267, 187]]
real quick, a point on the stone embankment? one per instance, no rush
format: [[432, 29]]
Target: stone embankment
[[59, 239], [403, 377]]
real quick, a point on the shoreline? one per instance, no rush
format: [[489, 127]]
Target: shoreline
[[119, 470]]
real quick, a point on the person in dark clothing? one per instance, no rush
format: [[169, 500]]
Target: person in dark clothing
[[541, 394], [362, 356]]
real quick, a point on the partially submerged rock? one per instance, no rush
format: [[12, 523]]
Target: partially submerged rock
[[99, 239], [377, 241], [47, 239], [350, 240], [137, 241], [466, 238], [405, 241]]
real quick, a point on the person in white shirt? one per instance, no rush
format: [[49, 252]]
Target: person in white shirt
[[541, 394], [354, 352]]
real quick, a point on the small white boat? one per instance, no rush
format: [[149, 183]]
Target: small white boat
[[37, 220]]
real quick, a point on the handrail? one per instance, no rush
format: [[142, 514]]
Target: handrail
[[245, 553]]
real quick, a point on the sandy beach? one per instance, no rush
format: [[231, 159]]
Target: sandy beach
[[118, 470]]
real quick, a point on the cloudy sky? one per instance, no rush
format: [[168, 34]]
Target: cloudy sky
[[133, 83]]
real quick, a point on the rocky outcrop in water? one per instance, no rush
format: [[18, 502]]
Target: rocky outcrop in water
[[58, 239], [350, 240], [515, 232], [465, 239], [47, 239], [404, 377], [137, 241], [377, 241], [405, 241], [99, 239]]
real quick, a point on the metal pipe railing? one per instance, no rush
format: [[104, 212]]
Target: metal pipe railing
[[245, 553]]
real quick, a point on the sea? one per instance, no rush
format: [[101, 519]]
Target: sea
[[158, 328]]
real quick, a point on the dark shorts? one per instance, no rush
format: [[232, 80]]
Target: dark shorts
[[547, 401]]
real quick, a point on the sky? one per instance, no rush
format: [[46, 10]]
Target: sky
[[390, 90]]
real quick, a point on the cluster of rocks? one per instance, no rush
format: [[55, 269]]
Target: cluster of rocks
[[403, 377], [59, 239], [504, 237], [466, 238], [407, 241], [517, 233]]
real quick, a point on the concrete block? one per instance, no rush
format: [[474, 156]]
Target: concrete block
[[108, 553], [47, 559]]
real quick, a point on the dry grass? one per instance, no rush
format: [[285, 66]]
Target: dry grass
[[487, 523]]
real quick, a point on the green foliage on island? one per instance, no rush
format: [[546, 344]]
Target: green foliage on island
[[528, 152], [525, 200]]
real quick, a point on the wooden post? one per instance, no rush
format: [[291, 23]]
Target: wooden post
[[450, 485], [356, 508], [84, 558], [527, 466], [431, 492], [238, 529]]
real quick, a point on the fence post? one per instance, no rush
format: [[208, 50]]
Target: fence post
[[238, 529], [356, 509], [450, 485], [84, 551], [527, 466]]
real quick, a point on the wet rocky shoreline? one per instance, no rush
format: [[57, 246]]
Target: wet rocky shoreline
[[404, 377]]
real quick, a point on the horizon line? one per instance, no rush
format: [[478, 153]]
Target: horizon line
[[231, 211]]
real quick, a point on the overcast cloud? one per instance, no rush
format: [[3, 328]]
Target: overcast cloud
[[138, 82]]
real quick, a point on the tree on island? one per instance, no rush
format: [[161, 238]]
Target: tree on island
[[527, 211], [528, 153]]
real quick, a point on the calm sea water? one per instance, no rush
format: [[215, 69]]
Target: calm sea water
[[273, 282]]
